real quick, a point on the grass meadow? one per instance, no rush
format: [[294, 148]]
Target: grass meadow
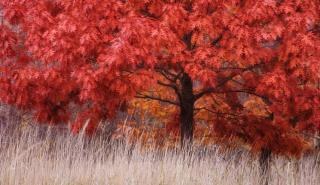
[[35, 157]]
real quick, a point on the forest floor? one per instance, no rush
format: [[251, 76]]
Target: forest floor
[[29, 158]]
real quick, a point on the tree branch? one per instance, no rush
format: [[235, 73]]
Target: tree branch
[[264, 98], [167, 85], [168, 75], [172, 86], [212, 89], [216, 40], [216, 112], [143, 96]]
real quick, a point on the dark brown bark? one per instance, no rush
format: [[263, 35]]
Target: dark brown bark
[[264, 162], [187, 101]]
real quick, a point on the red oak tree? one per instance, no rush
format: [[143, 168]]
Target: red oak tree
[[224, 57]]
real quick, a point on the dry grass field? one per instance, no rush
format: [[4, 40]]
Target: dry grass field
[[30, 158]]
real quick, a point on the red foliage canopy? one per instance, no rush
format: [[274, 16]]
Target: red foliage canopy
[[94, 54]]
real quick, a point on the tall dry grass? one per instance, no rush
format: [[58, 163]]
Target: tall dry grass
[[31, 157]]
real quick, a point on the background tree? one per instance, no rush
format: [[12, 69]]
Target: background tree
[[96, 54]]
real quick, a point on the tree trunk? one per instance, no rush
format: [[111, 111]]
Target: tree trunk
[[186, 111], [264, 162]]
